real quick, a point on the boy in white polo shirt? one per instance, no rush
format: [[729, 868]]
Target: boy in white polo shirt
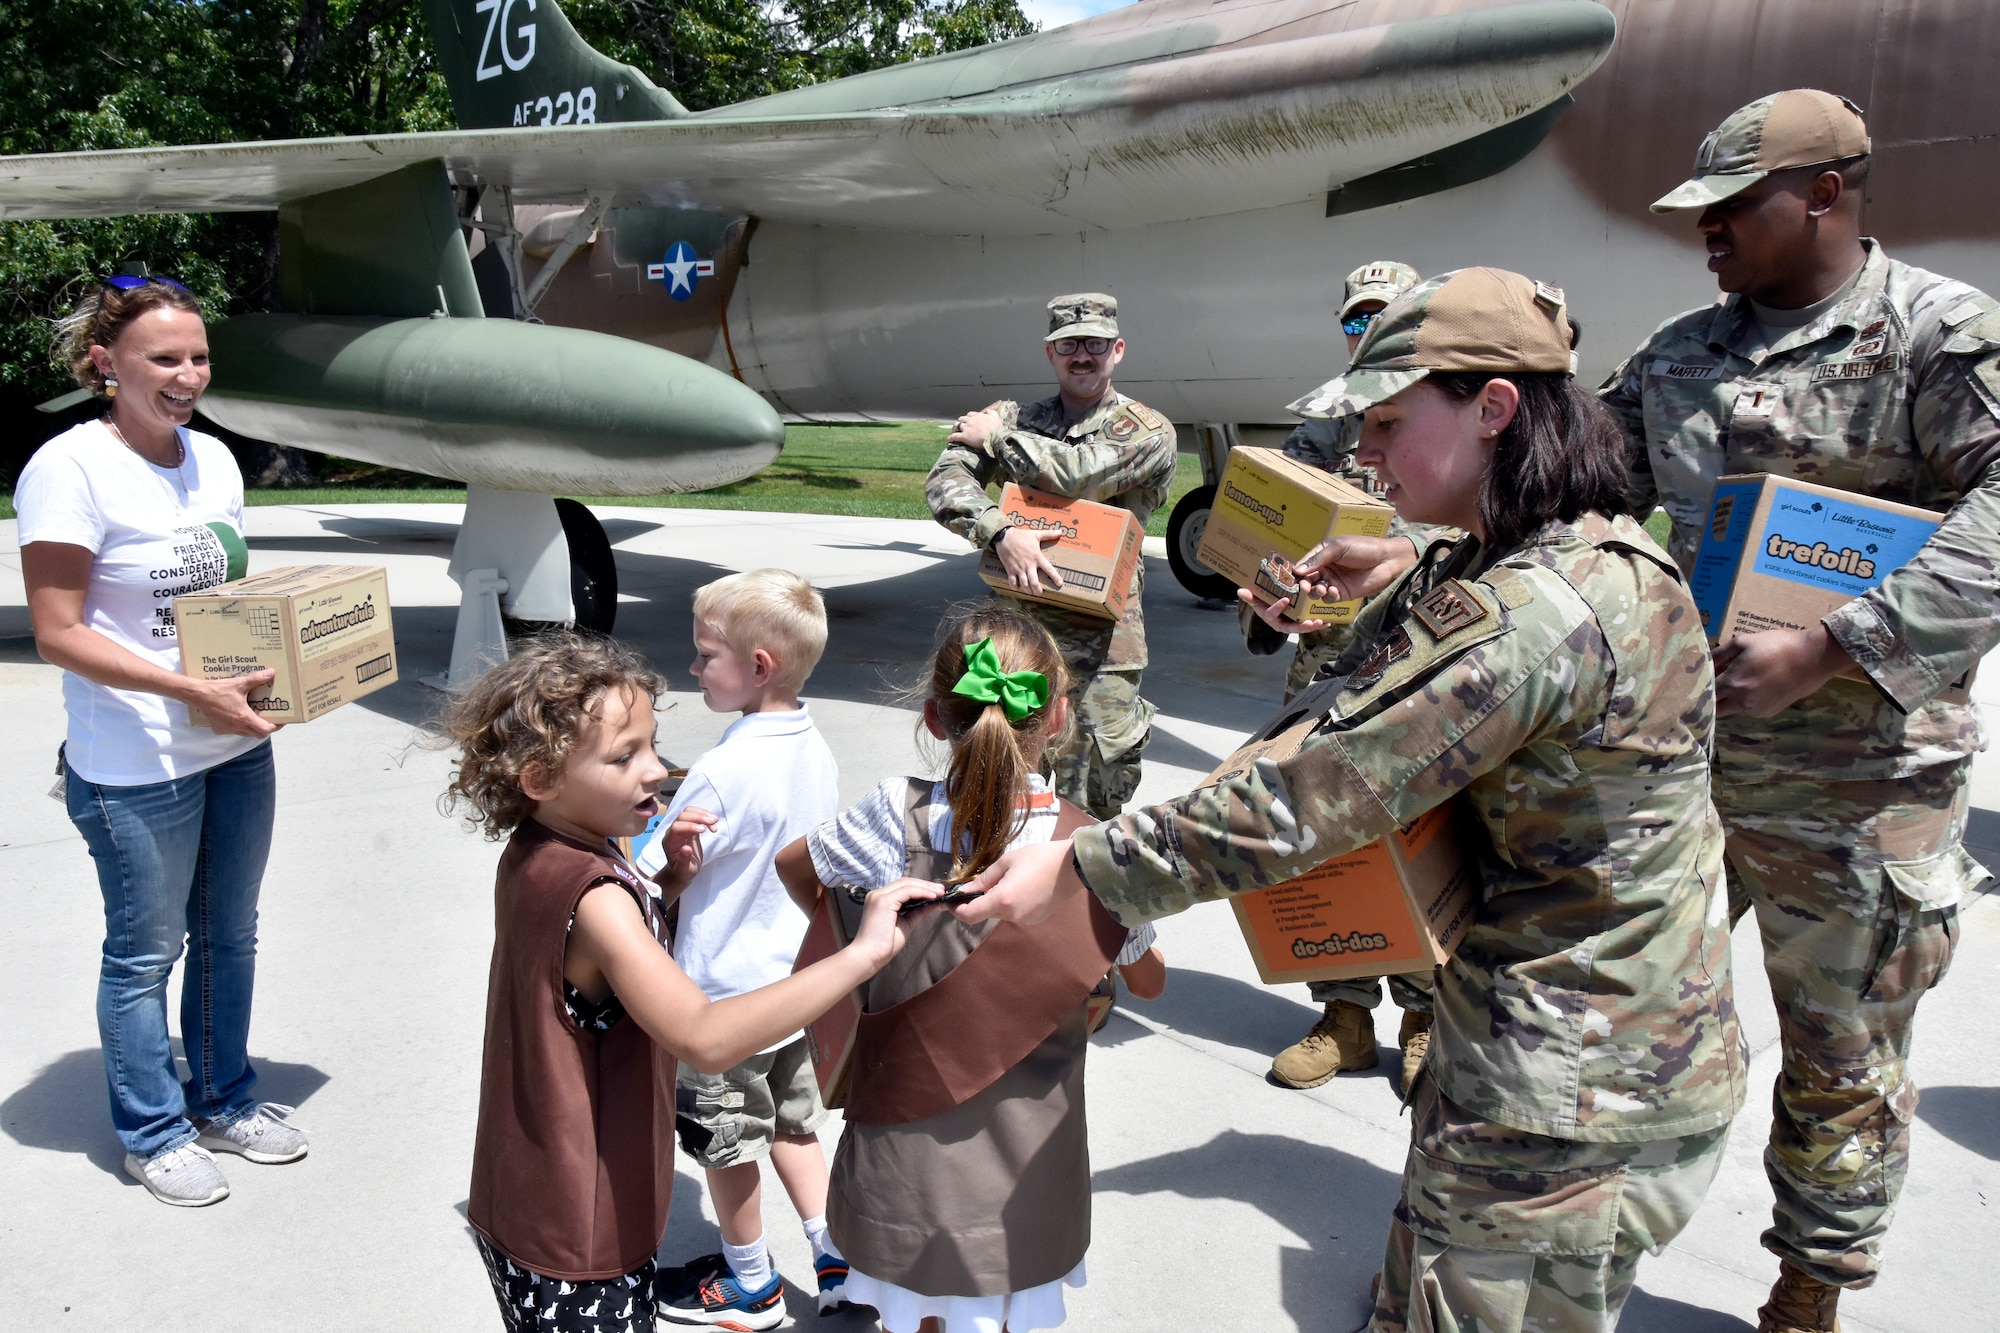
[[770, 780]]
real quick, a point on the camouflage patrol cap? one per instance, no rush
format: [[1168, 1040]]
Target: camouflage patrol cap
[[1382, 280], [1474, 319], [1802, 127], [1083, 315]]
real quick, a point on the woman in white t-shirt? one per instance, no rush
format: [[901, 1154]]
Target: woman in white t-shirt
[[118, 516]]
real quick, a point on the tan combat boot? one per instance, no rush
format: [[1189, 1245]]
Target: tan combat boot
[[1799, 1304], [1342, 1040], [1415, 1039]]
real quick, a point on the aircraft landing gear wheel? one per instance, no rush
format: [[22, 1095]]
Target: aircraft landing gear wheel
[[1184, 529], [593, 577]]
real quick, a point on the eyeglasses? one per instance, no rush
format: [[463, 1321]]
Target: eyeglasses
[[126, 282], [1356, 325], [1094, 346]]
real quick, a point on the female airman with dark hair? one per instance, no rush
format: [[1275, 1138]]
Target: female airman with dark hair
[[1549, 673]]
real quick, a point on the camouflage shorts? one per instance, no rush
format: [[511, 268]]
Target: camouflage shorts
[[1499, 1230], [1856, 887]]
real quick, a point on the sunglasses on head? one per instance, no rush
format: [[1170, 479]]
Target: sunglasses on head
[[1094, 346], [126, 282], [1356, 325]]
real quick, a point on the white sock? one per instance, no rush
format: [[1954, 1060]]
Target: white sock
[[821, 1242], [750, 1264]]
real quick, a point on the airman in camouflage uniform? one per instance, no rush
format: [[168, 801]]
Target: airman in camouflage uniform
[[1586, 1060], [1343, 1040], [1098, 445], [1844, 811]]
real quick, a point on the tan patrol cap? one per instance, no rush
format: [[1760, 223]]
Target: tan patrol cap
[[1802, 127], [1476, 319], [1083, 315], [1382, 280]]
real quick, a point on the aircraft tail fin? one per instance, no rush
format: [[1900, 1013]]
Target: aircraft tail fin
[[520, 62]]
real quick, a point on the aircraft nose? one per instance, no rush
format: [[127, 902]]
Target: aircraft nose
[[492, 402]]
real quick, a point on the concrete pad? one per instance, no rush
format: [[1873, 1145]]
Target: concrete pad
[[1222, 1201]]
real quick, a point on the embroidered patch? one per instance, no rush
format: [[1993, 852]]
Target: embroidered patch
[[1393, 648], [1148, 418], [1449, 608], [1857, 370], [1757, 400], [1686, 370], [1873, 347], [1873, 328], [1122, 427]]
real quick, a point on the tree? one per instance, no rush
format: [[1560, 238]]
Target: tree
[[100, 74]]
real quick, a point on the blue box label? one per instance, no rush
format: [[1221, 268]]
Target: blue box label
[[1729, 515], [1827, 543]]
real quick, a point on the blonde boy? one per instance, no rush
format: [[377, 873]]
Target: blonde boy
[[770, 779]]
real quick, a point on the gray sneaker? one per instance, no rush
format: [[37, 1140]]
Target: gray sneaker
[[263, 1136], [186, 1177]]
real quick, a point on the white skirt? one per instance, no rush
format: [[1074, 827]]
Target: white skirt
[[903, 1310]]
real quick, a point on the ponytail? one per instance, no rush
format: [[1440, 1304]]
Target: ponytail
[[992, 757]]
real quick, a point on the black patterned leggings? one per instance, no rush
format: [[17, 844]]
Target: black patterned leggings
[[534, 1303]]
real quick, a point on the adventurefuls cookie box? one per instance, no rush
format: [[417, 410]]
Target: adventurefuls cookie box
[[323, 628]]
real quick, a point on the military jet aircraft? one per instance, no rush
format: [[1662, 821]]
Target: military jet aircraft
[[881, 245]]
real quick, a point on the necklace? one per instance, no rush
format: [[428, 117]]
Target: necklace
[[178, 491]]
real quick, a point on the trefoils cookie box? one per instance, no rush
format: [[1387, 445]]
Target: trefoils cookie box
[[1096, 551], [1399, 904], [1267, 503], [1779, 553], [323, 628]]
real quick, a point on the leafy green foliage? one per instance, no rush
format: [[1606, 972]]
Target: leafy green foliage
[[711, 53], [101, 74]]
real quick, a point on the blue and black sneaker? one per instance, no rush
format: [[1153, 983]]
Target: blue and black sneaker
[[832, 1273], [706, 1292]]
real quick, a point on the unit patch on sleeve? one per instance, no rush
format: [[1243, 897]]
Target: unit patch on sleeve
[[1393, 648], [1449, 608]]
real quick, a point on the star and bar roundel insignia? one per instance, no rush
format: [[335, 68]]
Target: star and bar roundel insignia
[[680, 271], [1448, 608]]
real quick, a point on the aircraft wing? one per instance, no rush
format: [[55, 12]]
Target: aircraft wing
[[1153, 135]]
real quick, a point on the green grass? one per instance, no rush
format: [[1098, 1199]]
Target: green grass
[[868, 471]]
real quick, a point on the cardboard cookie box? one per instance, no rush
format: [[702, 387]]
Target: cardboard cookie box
[[1400, 904], [323, 628], [1269, 504], [1780, 554], [1097, 551]]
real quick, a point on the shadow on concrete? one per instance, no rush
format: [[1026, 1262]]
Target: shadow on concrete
[[881, 629], [1647, 1313], [1969, 1117], [1339, 1204], [1982, 837], [1234, 1013], [64, 1107]]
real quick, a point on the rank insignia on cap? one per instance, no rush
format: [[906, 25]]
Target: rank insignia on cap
[[1449, 608]]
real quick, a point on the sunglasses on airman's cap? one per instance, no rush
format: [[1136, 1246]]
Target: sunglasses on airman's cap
[[1356, 325], [126, 282]]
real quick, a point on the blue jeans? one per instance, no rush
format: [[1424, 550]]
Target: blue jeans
[[178, 860]]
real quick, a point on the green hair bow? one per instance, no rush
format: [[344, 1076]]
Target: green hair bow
[[1018, 692]]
